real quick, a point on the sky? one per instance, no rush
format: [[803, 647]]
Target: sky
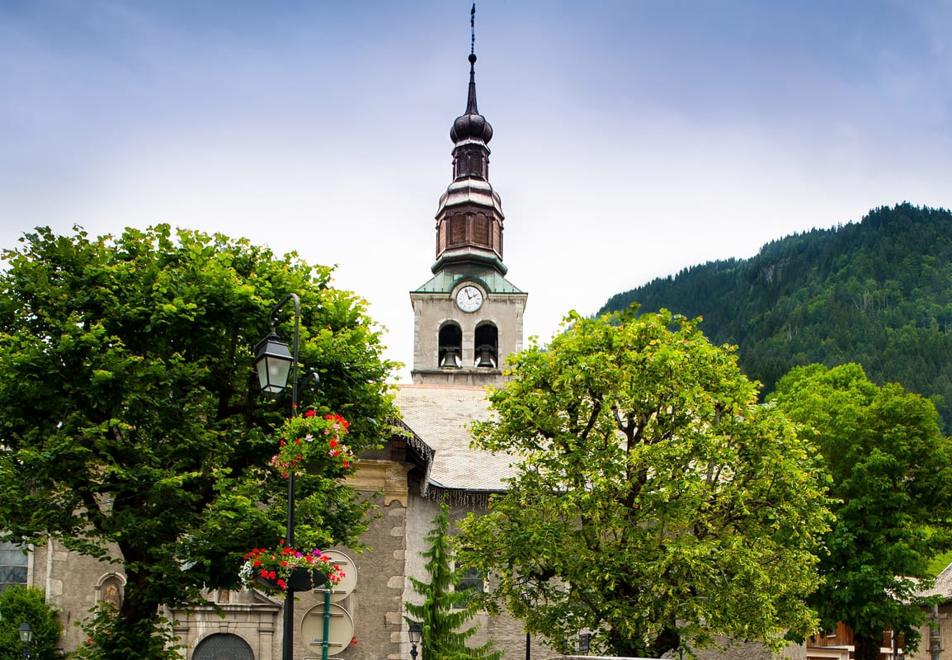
[[632, 138]]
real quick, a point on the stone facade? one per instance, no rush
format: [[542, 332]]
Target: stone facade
[[402, 519], [433, 310]]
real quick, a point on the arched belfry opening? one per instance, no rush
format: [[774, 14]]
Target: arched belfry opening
[[486, 346], [450, 346]]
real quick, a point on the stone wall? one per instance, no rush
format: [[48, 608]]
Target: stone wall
[[506, 633], [73, 583]]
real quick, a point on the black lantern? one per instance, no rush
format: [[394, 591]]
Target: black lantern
[[273, 362], [26, 636], [584, 642], [415, 632]]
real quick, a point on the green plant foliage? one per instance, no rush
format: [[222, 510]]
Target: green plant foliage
[[131, 414], [892, 480], [655, 503], [877, 292], [110, 637], [445, 608], [28, 605]]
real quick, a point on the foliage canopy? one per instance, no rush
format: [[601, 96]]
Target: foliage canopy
[[28, 605], [892, 480], [655, 504], [130, 413]]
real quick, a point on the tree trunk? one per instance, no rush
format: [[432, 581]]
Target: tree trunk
[[866, 648], [667, 640]]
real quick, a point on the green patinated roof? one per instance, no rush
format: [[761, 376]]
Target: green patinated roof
[[445, 280]]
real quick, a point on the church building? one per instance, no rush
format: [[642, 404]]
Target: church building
[[468, 318]]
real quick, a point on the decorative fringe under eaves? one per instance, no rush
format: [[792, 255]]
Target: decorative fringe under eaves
[[460, 497]]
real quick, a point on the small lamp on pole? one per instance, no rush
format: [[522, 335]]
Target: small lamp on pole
[[273, 362], [415, 632], [26, 636]]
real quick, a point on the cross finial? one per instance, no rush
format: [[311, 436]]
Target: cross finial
[[472, 30]]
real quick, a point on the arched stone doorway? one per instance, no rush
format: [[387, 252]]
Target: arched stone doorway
[[223, 646]]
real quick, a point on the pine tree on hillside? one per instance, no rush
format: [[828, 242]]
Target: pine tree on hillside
[[444, 609]]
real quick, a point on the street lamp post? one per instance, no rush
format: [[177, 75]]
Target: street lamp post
[[26, 636], [415, 632], [273, 362]]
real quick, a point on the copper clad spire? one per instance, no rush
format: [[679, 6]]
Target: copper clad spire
[[469, 219]]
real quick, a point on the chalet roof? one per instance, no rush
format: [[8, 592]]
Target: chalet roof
[[439, 415], [942, 586]]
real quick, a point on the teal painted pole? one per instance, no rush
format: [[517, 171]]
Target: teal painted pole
[[327, 620]]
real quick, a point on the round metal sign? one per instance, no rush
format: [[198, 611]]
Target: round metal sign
[[342, 589], [340, 629]]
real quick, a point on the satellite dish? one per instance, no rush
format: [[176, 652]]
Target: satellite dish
[[342, 589], [340, 629]]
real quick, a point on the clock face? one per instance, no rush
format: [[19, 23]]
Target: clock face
[[469, 298]]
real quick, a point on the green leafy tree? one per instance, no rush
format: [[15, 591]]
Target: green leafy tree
[[445, 607], [131, 418], [655, 503], [28, 605], [892, 480]]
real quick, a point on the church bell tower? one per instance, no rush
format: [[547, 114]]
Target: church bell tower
[[468, 316]]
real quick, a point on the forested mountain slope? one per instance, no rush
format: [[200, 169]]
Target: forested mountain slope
[[877, 292]]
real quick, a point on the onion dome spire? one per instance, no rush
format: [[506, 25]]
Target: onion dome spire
[[469, 219], [471, 124]]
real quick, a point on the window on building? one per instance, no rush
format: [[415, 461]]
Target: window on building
[[12, 565], [457, 225], [471, 583], [482, 229], [450, 346], [487, 346]]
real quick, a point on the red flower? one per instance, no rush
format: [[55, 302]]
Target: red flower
[[309, 413]]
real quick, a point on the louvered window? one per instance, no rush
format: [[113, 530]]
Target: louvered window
[[457, 230], [482, 230]]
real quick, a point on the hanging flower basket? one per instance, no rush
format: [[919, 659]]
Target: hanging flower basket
[[314, 444], [276, 570], [300, 579]]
